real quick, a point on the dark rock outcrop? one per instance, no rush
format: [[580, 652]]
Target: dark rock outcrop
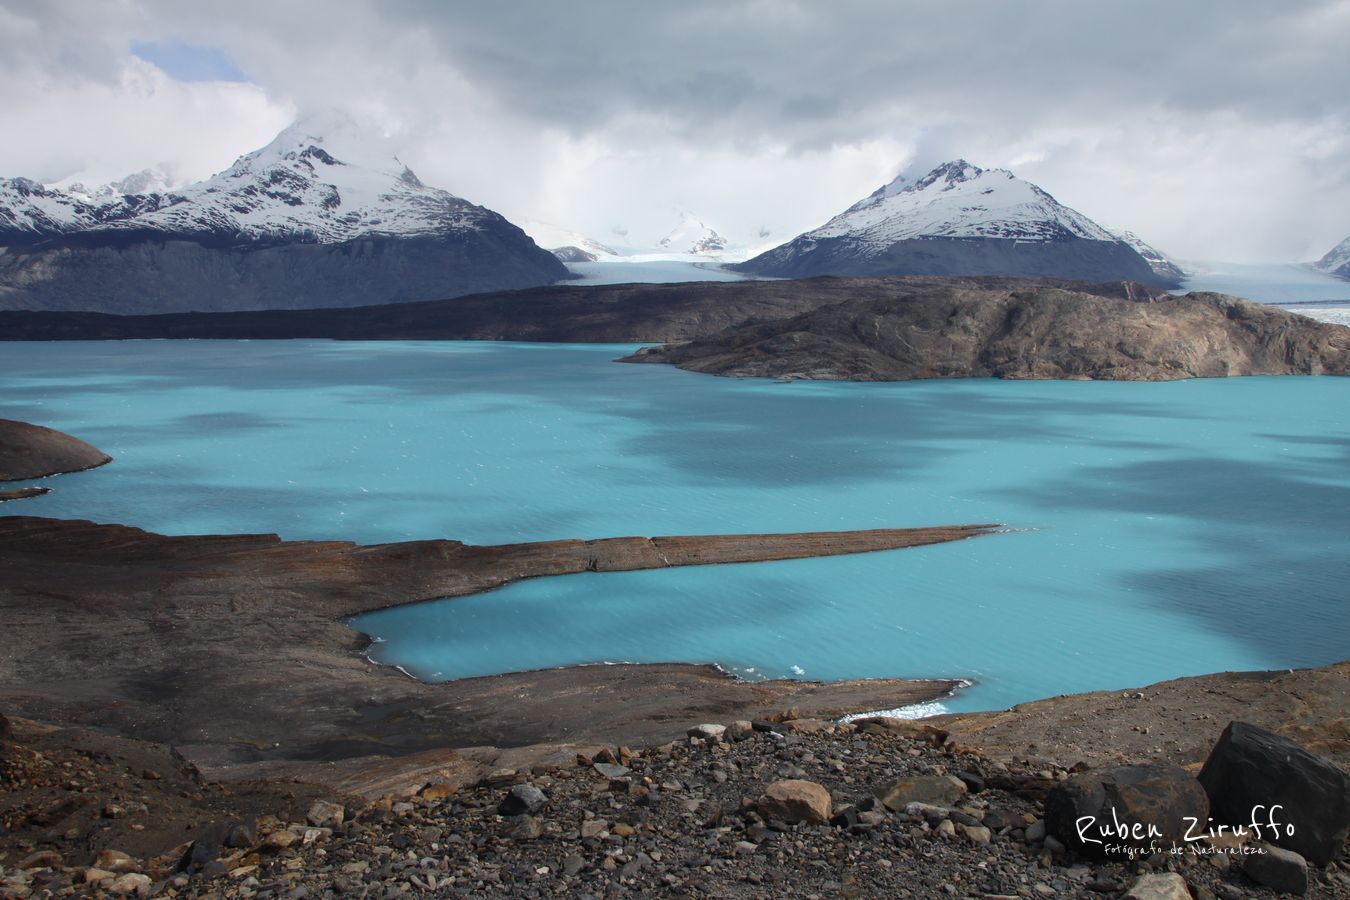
[[1140, 806], [1251, 771], [961, 332], [33, 451]]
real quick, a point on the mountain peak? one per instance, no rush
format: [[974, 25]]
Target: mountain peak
[[327, 138], [958, 199], [320, 127], [693, 235], [949, 173]]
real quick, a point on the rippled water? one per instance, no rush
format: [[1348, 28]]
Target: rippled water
[[1161, 529]]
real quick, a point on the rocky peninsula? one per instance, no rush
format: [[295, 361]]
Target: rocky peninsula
[[233, 648], [1020, 331], [32, 451]]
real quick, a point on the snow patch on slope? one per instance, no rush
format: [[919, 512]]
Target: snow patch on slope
[[958, 199]]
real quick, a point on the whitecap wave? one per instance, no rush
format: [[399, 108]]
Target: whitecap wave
[[916, 711], [913, 711]]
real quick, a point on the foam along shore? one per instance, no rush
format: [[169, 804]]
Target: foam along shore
[[233, 648]]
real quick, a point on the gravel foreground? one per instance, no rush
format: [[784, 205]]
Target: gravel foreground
[[685, 819]]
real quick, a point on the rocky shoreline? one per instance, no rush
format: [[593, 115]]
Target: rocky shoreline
[[782, 806]]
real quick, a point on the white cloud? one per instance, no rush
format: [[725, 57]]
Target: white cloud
[[98, 131], [1214, 129]]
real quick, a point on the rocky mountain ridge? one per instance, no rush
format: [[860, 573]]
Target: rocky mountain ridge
[[961, 332]]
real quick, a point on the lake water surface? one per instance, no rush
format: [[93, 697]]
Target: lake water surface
[[1157, 529]]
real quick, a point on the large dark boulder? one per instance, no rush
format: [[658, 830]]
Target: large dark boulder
[[1254, 775], [1144, 807], [523, 799]]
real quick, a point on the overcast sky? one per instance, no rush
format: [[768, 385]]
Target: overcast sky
[[1216, 129]]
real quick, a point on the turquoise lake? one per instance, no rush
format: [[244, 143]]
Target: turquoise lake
[[1155, 530]]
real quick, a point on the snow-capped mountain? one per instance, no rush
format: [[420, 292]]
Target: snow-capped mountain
[[1337, 260], [958, 219], [319, 180], [689, 240], [960, 200], [692, 235], [373, 233]]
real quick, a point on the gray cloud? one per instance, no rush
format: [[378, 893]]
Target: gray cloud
[[755, 64], [1215, 128]]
